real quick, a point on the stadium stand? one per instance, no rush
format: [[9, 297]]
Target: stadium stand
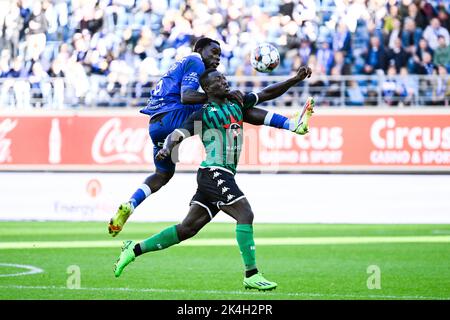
[[86, 53]]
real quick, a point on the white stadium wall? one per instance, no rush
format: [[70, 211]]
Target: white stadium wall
[[302, 198]]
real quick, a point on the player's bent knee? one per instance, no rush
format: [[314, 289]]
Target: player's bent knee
[[164, 176], [246, 217], [186, 232], [245, 212]]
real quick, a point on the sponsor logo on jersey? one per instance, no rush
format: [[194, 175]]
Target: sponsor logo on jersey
[[192, 77]]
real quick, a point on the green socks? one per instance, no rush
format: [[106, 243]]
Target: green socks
[[244, 237], [166, 238]]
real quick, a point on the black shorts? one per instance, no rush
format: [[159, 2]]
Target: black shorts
[[216, 187]]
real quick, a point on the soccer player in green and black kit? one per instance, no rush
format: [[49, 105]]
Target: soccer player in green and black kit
[[221, 123]]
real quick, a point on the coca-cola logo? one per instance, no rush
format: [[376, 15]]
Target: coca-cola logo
[[112, 143], [6, 126]]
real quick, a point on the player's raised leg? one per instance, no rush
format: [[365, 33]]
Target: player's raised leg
[[195, 220], [242, 212], [165, 170], [151, 184]]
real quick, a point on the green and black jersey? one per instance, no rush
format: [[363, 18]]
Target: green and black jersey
[[221, 130]]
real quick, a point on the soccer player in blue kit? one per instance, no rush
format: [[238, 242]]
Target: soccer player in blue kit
[[175, 98]]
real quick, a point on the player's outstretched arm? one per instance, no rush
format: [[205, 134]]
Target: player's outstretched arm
[[277, 89], [257, 116], [298, 123]]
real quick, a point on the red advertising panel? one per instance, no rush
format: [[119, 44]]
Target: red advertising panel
[[347, 141]]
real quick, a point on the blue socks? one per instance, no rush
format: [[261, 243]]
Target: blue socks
[[278, 121], [140, 195]]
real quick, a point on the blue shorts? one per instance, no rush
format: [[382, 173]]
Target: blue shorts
[[161, 125]]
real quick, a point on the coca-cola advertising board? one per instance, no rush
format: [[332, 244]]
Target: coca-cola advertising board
[[338, 141]]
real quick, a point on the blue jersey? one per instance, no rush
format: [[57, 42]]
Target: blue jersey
[[183, 74]]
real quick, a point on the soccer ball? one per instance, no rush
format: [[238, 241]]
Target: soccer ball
[[265, 57]]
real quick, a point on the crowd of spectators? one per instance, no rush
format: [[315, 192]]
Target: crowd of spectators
[[105, 52]]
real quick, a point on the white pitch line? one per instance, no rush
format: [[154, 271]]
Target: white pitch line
[[208, 292], [232, 242], [31, 270]]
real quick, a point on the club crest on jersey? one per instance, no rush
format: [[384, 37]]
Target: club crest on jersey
[[234, 126]]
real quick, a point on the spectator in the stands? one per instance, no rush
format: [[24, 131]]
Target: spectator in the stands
[[403, 8], [390, 20], [375, 58], [443, 16], [36, 32], [4, 63], [398, 55], [394, 34], [92, 20], [441, 87], [417, 57], [442, 53], [342, 40], [40, 86], [142, 90], [410, 85], [305, 50], [12, 25], [432, 32], [56, 73], [333, 88], [418, 16], [392, 88], [354, 94], [324, 56], [341, 65], [410, 35], [425, 66], [21, 70]]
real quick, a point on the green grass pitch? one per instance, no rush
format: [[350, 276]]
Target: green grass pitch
[[309, 261]]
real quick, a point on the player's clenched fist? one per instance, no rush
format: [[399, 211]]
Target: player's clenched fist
[[162, 154], [303, 72]]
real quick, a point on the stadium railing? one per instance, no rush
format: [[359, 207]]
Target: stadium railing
[[329, 91]]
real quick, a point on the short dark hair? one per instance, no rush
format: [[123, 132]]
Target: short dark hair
[[203, 42], [205, 75]]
